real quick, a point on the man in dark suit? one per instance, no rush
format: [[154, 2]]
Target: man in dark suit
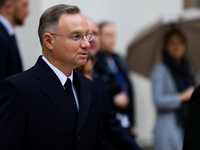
[[114, 72], [12, 13], [192, 128], [50, 106], [116, 136]]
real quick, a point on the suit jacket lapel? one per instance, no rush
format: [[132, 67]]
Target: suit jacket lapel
[[53, 89], [84, 101]]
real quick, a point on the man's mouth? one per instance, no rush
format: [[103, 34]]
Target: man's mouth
[[83, 54]]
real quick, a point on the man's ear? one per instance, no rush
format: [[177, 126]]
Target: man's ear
[[48, 40], [9, 7]]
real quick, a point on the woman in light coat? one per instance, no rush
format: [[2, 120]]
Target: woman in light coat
[[173, 84]]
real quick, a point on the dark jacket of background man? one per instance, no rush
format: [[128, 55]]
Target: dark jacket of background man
[[10, 61], [116, 137], [11, 14], [110, 83]]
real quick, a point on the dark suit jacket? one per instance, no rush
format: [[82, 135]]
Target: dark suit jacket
[[10, 62], [34, 113], [192, 128], [110, 83], [116, 136]]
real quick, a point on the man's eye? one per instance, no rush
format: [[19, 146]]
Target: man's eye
[[77, 36]]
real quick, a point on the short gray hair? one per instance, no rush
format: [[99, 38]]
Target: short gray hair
[[50, 18]]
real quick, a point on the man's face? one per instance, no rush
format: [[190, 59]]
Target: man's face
[[107, 38], [20, 12], [95, 43], [66, 51]]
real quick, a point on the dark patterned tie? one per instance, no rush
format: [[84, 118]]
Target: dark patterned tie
[[71, 101]]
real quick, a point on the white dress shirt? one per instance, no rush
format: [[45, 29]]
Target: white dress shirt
[[7, 25], [63, 78]]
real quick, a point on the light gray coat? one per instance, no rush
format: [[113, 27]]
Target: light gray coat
[[168, 135]]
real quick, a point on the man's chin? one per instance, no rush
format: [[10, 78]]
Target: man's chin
[[81, 62]]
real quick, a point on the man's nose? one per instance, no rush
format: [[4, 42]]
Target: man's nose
[[85, 43]]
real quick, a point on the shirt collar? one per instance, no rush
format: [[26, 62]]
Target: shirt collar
[[61, 76], [7, 25]]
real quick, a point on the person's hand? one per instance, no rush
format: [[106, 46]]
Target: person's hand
[[121, 100], [185, 95], [133, 131]]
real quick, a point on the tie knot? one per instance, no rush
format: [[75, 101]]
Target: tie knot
[[68, 83]]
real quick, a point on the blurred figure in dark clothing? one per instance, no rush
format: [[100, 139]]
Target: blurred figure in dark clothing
[[117, 137], [114, 72], [12, 13]]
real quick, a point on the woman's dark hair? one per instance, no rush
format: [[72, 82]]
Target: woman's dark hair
[[171, 33]]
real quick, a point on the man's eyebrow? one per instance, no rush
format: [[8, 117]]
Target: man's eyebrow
[[77, 32]]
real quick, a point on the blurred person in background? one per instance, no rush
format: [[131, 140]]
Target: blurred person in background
[[12, 14], [173, 83], [114, 72], [117, 137], [94, 43]]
